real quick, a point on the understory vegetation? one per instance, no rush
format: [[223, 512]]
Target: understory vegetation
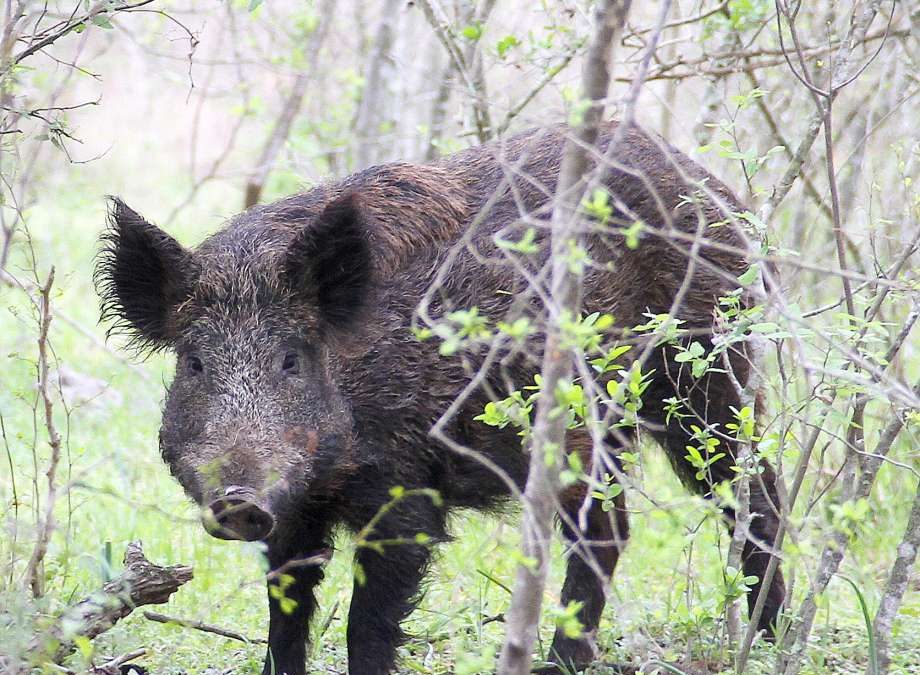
[[191, 111]]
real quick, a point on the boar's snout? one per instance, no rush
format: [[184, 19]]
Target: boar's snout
[[237, 515]]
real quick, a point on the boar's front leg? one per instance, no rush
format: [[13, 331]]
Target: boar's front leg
[[295, 559], [387, 579]]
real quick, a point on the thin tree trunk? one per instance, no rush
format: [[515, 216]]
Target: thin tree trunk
[[898, 581], [523, 616], [670, 88], [289, 110], [467, 61], [472, 56], [370, 113], [439, 111]]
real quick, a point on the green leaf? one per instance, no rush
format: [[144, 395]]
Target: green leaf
[[422, 334], [472, 32], [750, 276], [526, 244], [102, 20], [518, 330], [505, 44], [633, 233], [699, 368], [254, 5], [604, 321], [598, 205], [493, 416], [85, 645], [694, 456]]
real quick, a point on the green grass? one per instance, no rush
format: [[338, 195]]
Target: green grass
[[663, 604]]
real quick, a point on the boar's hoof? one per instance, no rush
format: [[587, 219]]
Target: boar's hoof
[[236, 515]]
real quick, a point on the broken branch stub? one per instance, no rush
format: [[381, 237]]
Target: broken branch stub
[[141, 583]]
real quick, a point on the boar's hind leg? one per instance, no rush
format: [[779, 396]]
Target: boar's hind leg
[[387, 581], [707, 403], [291, 602], [593, 556]]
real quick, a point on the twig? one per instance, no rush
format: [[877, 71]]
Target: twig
[[124, 658], [781, 140], [747, 463], [683, 22], [32, 289], [218, 161], [71, 25], [202, 626], [324, 626], [713, 98], [682, 69], [548, 77]]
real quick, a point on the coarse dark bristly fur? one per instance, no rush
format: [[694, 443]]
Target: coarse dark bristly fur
[[298, 378]]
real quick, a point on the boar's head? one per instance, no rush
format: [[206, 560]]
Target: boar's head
[[253, 421]]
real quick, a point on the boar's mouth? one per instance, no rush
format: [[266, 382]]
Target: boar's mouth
[[237, 515]]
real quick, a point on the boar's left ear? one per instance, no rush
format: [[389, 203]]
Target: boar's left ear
[[142, 274], [329, 261]]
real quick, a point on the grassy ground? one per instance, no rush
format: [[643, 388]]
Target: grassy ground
[[663, 605]]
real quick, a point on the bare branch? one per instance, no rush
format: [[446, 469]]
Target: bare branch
[[68, 26]]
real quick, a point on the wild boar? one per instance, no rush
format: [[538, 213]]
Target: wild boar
[[302, 396]]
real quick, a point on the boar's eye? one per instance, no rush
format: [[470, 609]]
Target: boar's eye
[[194, 364], [291, 364]]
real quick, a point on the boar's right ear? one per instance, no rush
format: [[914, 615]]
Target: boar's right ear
[[142, 274], [329, 262]]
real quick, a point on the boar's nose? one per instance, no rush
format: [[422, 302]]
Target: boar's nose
[[237, 515]]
